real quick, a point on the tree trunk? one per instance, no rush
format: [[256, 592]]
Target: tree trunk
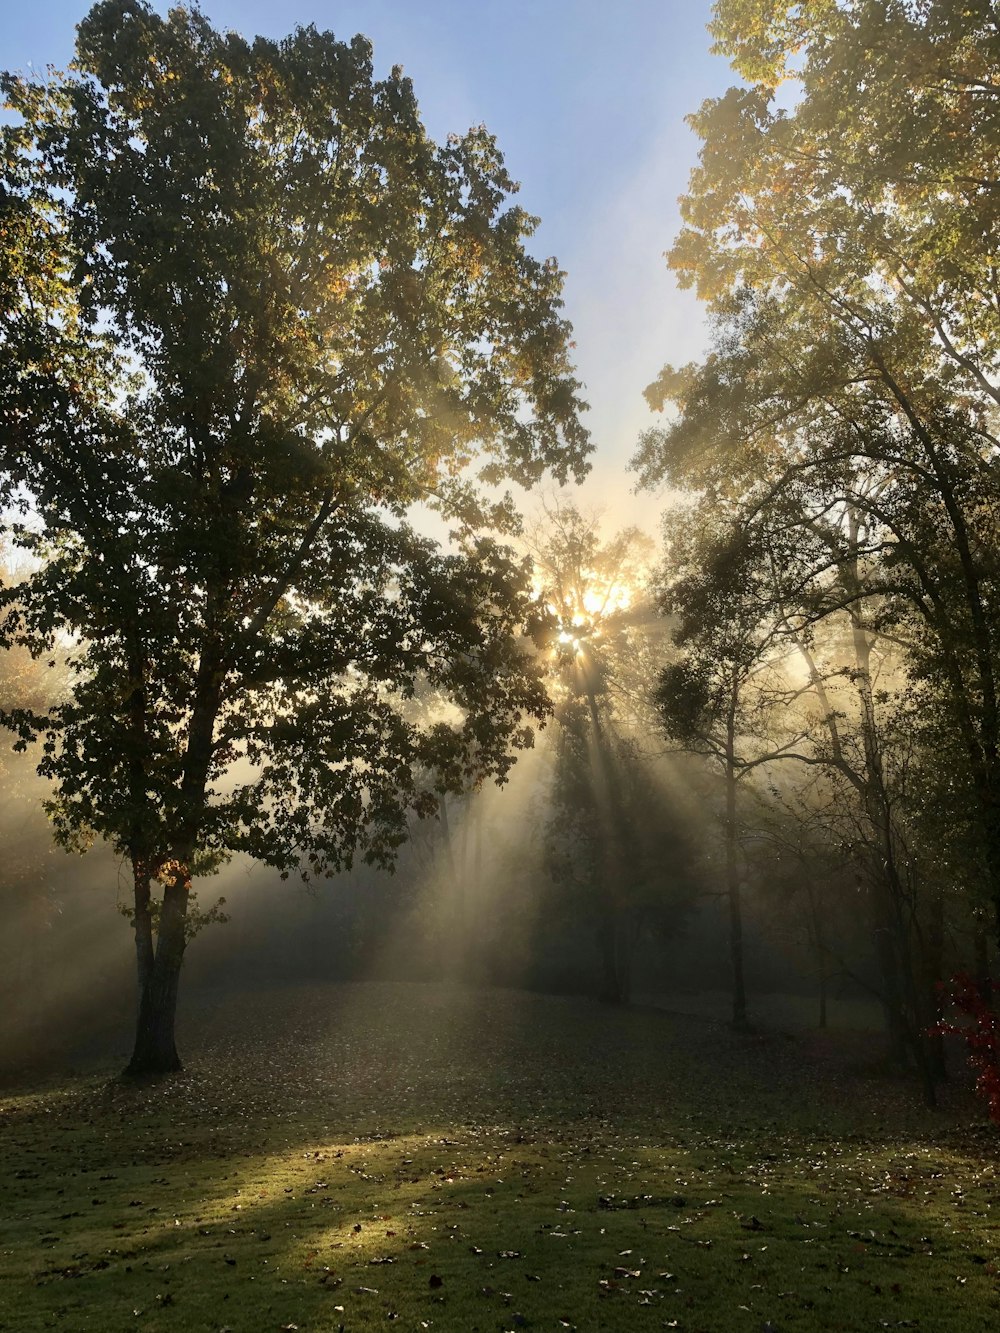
[[449, 934], [740, 1021], [155, 1050], [991, 828], [475, 814], [932, 972], [609, 959], [900, 994], [142, 923], [626, 939], [816, 931], [887, 955], [616, 957], [894, 923], [981, 965]]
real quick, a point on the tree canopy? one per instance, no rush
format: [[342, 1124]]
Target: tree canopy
[[251, 316], [843, 237]]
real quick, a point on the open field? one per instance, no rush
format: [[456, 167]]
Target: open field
[[418, 1158]]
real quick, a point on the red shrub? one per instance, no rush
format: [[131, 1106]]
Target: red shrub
[[980, 1032]]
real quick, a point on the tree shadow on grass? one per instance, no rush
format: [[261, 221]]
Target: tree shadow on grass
[[549, 1160]]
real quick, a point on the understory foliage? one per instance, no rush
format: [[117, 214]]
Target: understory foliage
[[980, 1032]]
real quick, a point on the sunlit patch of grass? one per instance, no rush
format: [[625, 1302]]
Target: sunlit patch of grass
[[452, 1160]]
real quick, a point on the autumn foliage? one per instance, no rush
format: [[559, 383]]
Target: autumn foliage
[[971, 1000]]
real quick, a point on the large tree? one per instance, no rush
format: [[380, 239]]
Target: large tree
[[776, 674], [250, 317], [844, 238]]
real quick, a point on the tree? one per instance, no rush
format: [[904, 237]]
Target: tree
[[251, 317], [755, 687], [614, 848], [612, 841], [846, 250], [715, 698]]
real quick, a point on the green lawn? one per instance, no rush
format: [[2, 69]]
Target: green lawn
[[406, 1157]]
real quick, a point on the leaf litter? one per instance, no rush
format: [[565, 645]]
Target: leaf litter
[[322, 1131]]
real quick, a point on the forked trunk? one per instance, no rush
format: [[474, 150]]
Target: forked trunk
[[155, 1050], [159, 971]]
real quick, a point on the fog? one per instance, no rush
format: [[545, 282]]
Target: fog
[[473, 903]]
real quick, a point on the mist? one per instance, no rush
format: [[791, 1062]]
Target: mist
[[499, 667]]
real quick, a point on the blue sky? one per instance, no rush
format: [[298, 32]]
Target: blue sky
[[587, 100]]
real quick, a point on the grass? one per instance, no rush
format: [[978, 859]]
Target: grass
[[405, 1157]]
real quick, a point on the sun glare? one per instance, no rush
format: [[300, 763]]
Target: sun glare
[[607, 602]]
